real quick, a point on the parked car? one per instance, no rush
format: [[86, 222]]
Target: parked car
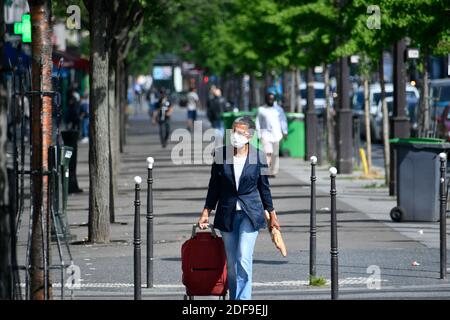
[[439, 96], [319, 96], [376, 113], [443, 123], [379, 117]]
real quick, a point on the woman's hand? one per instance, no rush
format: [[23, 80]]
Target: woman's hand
[[274, 221], [204, 218]]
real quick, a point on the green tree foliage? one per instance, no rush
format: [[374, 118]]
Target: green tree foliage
[[312, 28]]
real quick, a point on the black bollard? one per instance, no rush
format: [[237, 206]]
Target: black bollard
[[312, 223], [443, 217], [150, 162], [137, 240], [334, 240]]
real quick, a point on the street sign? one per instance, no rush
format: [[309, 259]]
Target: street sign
[[412, 53], [354, 59], [24, 28]]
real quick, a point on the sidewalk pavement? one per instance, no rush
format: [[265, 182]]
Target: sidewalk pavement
[[367, 237]]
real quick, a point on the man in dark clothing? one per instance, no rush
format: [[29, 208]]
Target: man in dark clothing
[[162, 115], [73, 109], [215, 109]]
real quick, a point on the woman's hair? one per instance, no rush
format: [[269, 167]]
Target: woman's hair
[[247, 121]]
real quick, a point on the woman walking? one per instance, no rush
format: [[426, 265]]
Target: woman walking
[[240, 189]]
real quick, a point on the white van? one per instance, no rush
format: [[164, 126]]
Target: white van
[[319, 96]]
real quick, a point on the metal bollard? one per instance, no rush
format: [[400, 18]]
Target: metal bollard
[[334, 241], [150, 162], [312, 223], [443, 217], [137, 240]]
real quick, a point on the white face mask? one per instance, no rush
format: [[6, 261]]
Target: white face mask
[[238, 141]]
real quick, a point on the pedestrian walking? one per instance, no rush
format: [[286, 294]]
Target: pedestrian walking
[[84, 116], [271, 126], [152, 100], [240, 189], [211, 92], [137, 88], [193, 102], [283, 119], [73, 109], [162, 116], [216, 107]]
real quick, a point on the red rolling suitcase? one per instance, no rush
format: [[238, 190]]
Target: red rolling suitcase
[[203, 262]]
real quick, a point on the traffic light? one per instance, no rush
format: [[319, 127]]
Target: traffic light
[[24, 28]]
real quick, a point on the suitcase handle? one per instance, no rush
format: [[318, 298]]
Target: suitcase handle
[[210, 226]]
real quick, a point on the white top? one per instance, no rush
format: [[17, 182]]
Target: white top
[[268, 124], [192, 100], [238, 165]]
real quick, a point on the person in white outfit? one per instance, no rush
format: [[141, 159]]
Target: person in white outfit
[[193, 103], [270, 131]]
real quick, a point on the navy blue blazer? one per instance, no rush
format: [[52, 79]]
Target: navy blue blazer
[[253, 193]]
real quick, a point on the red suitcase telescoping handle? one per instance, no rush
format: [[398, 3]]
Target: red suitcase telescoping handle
[[210, 227]]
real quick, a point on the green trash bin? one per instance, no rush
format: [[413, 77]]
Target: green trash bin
[[294, 144], [418, 175]]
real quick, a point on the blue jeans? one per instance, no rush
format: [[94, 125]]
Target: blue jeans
[[239, 245], [218, 125], [192, 114], [85, 127]]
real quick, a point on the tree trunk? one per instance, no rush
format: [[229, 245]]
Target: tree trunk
[[5, 232], [224, 86], [242, 105], [257, 93], [236, 92], [252, 92], [426, 94], [292, 90], [123, 125], [367, 123], [298, 100], [286, 92], [267, 81], [41, 126], [329, 116], [385, 123], [113, 135], [99, 175], [119, 97], [120, 100]]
